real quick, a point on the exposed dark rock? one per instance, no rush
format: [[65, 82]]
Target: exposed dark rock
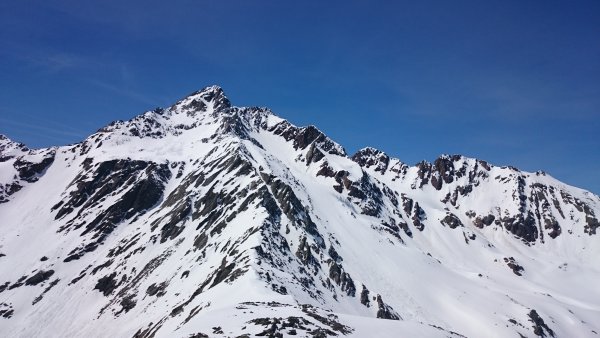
[[540, 328], [512, 264], [199, 335], [6, 310], [292, 207], [172, 223], [107, 284], [306, 136], [222, 272], [29, 171], [443, 171], [150, 330], [142, 184], [520, 226], [326, 171], [485, 221], [333, 254], [200, 241], [341, 278], [331, 321], [124, 245], [313, 154], [216, 95], [369, 157], [102, 266], [423, 173], [304, 253], [303, 137], [452, 221], [78, 252], [370, 195], [127, 303], [418, 217], [39, 277], [414, 211], [157, 290], [385, 311], [364, 296]]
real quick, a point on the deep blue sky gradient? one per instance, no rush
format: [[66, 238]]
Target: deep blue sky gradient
[[512, 82]]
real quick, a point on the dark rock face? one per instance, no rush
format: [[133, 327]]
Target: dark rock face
[[385, 311], [6, 310], [292, 207], [217, 96], [174, 223], [452, 221], [443, 171], [303, 137], [540, 328], [140, 186], [304, 253], [512, 264], [423, 173], [369, 194], [307, 136], [591, 221], [29, 171], [107, 284], [127, 303], [369, 157], [414, 211], [314, 154], [108, 177], [321, 324], [157, 290], [521, 226], [341, 278], [485, 221], [364, 296], [39, 277]]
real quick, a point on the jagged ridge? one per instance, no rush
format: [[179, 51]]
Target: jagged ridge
[[167, 218]]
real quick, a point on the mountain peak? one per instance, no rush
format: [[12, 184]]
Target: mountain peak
[[206, 218], [214, 94], [7, 145]]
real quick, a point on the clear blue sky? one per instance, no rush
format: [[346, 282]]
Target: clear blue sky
[[512, 82]]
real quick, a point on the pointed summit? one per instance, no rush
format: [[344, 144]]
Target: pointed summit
[[7, 145], [210, 218], [214, 94]]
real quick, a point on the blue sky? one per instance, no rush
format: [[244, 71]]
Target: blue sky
[[512, 82]]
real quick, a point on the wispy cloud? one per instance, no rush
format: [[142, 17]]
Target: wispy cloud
[[55, 62], [124, 91], [43, 59], [32, 127]]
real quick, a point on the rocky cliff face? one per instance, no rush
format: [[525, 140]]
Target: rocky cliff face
[[206, 219]]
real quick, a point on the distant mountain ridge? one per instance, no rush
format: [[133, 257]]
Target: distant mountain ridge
[[205, 219]]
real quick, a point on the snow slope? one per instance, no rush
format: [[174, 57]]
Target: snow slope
[[205, 219]]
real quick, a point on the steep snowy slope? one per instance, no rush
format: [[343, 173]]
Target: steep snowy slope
[[205, 219]]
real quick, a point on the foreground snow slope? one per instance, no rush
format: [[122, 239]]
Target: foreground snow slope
[[209, 219]]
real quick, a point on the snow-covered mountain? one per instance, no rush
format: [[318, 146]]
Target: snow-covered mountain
[[209, 220]]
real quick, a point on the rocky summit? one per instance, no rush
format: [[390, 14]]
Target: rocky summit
[[205, 219]]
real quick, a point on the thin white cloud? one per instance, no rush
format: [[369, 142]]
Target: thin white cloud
[[124, 91], [26, 126]]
